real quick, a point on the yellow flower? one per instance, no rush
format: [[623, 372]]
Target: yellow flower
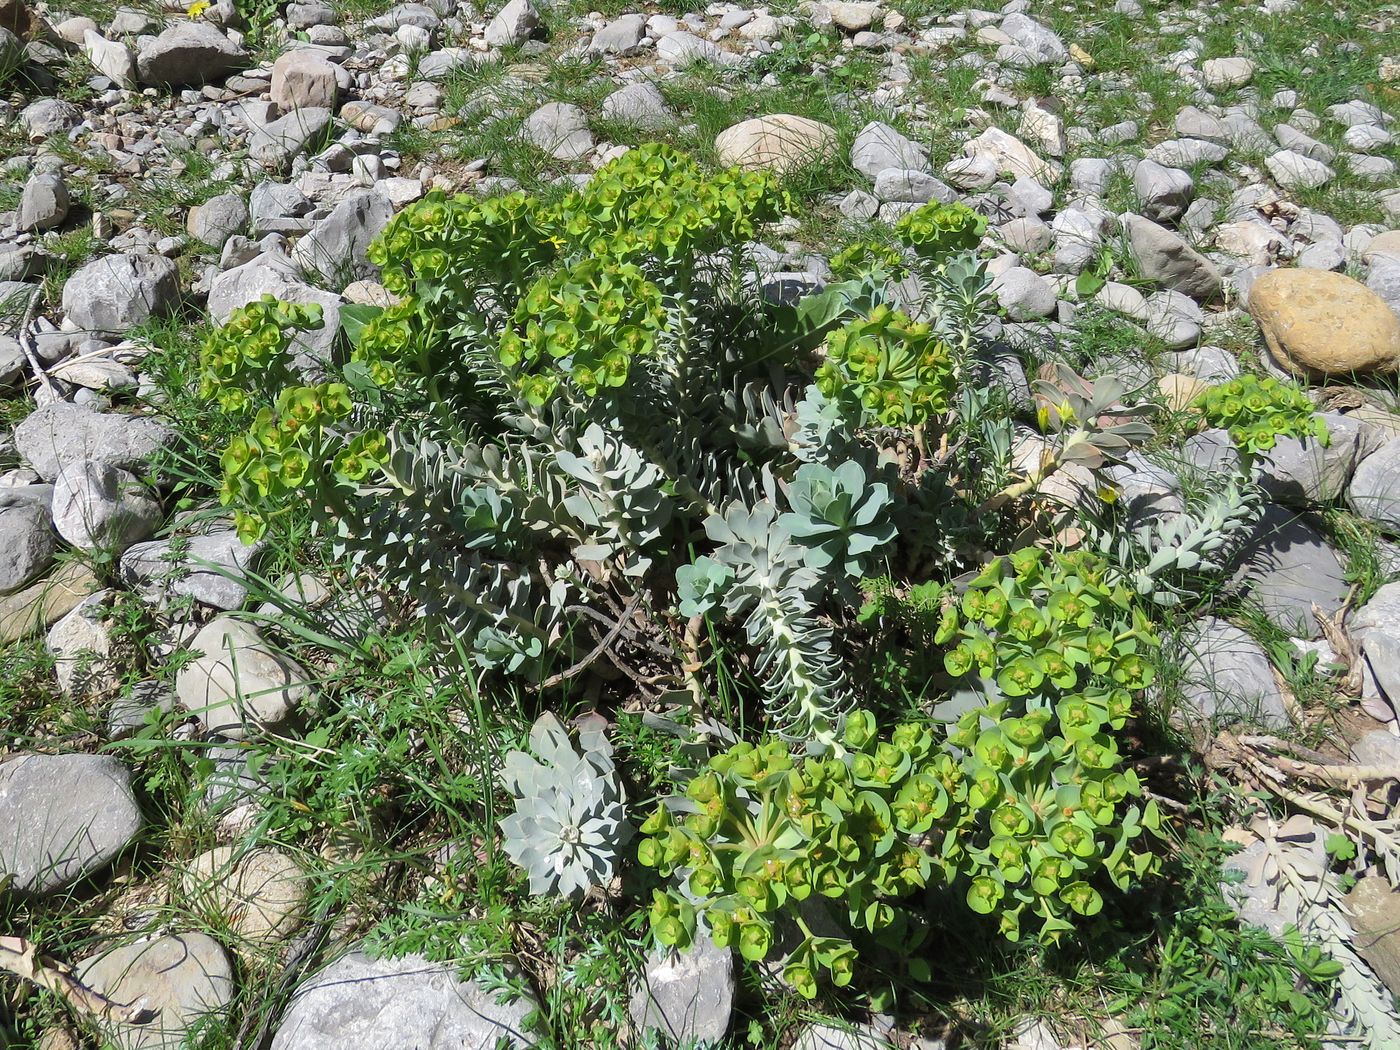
[[198, 8]]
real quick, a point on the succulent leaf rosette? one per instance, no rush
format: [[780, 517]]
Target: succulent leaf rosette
[[570, 810]]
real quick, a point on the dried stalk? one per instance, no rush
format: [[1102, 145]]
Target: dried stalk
[[21, 958]]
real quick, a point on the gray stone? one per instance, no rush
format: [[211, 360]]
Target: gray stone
[[621, 36], [27, 541], [62, 433], [559, 129], [443, 63], [1209, 363], [130, 712], [641, 104], [184, 977], [859, 205], [97, 506], [515, 24], [49, 116], [1295, 141], [1162, 193], [1295, 171], [334, 250], [687, 997], [111, 58], [275, 200], [218, 219], [208, 568], [1374, 906], [187, 53], [1024, 294], [1227, 72], [1193, 123], [277, 143], [63, 818], [1285, 567], [1164, 257], [408, 1003], [831, 1037], [918, 187], [1366, 138], [878, 146], [1173, 318], [1350, 114], [1301, 471], [238, 684], [306, 15], [277, 276], [81, 645], [1038, 42], [1026, 236], [117, 292], [1090, 176], [1147, 491], [44, 203], [1077, 240], [1029, 197], [972, 173], [1374, 492], [1226, 677], [1187, 153], [682, 48]]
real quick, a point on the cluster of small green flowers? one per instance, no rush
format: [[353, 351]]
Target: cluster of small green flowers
[[253, 349], [656, 201], [441, 250], [939, 230], [1062, 649], [761, 830], [1257, 412], [896, 369], [289, 446], [593, 318], [868, 259]]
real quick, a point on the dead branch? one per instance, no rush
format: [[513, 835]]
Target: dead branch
[[22, 958]]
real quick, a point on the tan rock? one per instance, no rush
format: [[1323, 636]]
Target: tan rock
[[302, 78], [779, 142], [43, 603], [1179, 390], [261, 895], [1387, 244], [1012, 155], [852, 15], [1375, 915], [1317, 323]]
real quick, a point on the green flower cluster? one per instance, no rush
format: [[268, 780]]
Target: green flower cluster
[[761, 830], [868, 259], [442, 250], [253, 348], [656, 201], [1257, 412], [588, 320], [1063, 650], [898, 371], [939, 230]]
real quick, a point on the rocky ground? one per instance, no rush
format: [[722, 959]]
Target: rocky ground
[[1177, 192]]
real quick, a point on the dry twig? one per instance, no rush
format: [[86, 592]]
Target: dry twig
[[22, 958]]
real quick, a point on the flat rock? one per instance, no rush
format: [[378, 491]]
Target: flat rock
[[687, 997], [278, 276], [1226, 677], [1012, 155], [1227, 72], [1320, 324], [622, 36], [209, 568], [1298, 472], [117, 292], [62, 433], [818, 1036], [878, 146], [188, 52], [27, 541], [275, 144], [111, 58], [1374, 492], [81, 646], [97, 506], [184, 977], [640, 104], [1285, 568], [1024, 294], [45, 601], [65, 818], [238, 684], [514, 24], [334, 250], [217, 219], [302, 77], [778, 142], [1295, 171], [559, 129], [408, 1003], [1165, 258]]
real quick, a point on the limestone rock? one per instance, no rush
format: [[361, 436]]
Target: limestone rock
[[560, 129], [1374, 492], [97, 506], [1166, 258], [44, 203], [65, 818], [1375, 916], [188, 53], [43, 602], [183, 977], [117, 292], [515, 24], [687, 996], [1285, 567], [81, 645], [27, 542], [62, 433], [259, 896], [408, 1003], [239, 684], [778, 142], [1319, 324], [208, 568], [302, 77], [1226, 678], [335, 249]]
